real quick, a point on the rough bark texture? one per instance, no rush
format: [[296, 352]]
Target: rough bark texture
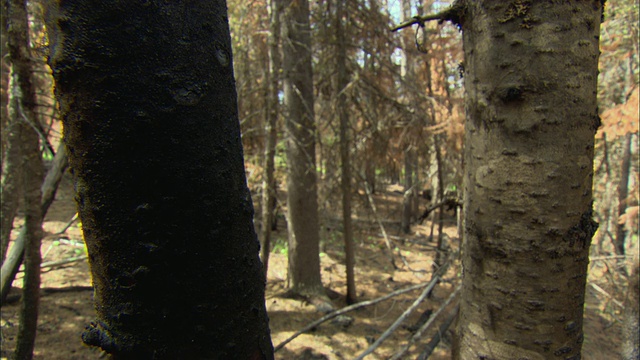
[[31, 171], [271, 133], [530, 79], [147, 97], [345, 149], [304, 242]]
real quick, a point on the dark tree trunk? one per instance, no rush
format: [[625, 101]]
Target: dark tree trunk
[[31, 171], [271, 133], [147, 98], [345, 148], [302, 196], [623, 193], [530, 78]]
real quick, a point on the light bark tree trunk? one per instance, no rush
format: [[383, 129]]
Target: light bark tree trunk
[[302, 188], [149, 107], [530, 78]]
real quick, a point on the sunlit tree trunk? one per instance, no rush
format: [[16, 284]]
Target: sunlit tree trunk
[[302, 198], [530, 80], [148, 102]]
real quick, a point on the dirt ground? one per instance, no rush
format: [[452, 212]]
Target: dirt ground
[[66, 304]]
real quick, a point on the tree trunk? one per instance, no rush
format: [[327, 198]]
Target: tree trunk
[[630, 334], [31, 169], [49, 187], [271, 132], [345, 148], [530, 79], [148, 102], [302, 198], [5, 70], [407, 201], [12, 175], [623, 194]]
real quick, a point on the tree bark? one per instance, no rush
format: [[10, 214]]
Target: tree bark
[[630, 333], [345, 148], [623, 194], [530, 78], [148, 102], [12, 175], [5, 70], [31, 171], [302, 196], [271, 132]]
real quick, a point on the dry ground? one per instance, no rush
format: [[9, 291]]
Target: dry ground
[[66, 305]]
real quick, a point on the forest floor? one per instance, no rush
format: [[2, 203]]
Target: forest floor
[[66, 303]]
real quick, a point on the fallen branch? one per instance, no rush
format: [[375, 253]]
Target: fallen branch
[[359, 305], [401, 319], [435, 340], [60, 262], [418, 334]]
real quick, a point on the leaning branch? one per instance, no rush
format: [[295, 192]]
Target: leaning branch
[[452, 14]]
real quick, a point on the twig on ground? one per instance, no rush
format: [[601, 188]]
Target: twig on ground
[[347, 309], [418, 334]]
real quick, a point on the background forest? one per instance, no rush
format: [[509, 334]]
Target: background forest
[[389, 116]]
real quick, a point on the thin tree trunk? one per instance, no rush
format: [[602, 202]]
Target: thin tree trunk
[[271, 132], [407, 198], [149, 107], [12, 175], [630, 333], [623, 193], [5, 70], [530, 79], [32, 171], [302, 188], [49, 187], [345, 148], [440, 255]]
